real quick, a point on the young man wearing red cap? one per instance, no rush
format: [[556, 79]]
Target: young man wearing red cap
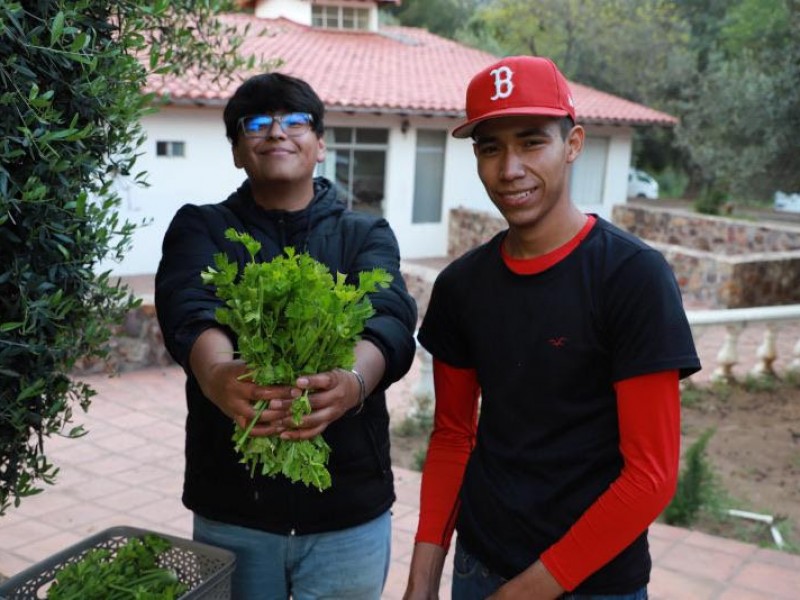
[[573, 335]]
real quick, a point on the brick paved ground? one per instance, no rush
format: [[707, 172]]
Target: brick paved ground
[[128, 471]]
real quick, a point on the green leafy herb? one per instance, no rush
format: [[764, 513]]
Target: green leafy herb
[[292, 318], [130, 573]]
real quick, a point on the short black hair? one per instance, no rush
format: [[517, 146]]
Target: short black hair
[[270, 93], [566, 124]]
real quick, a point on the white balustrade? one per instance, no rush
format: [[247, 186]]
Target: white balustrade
[[774, 320]]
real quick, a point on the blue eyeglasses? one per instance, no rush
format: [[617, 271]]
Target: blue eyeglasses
[[292, 124]]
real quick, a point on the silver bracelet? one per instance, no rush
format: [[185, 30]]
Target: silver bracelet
[[362, 390]]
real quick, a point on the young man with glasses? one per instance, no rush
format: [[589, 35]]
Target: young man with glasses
[[572, 334], [289, 540]]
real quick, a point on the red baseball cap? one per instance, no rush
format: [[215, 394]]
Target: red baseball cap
[[516, 86]]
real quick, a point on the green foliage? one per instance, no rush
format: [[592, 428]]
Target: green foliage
[[419, 421], [765, 383], [291, 318], [692, 395], [672, 183], [420, 455], [442, 17], [648, 45], [696, 485], [132, 571], [728, 69], [739, 111], [792, 378], [418, 425], [71, 97], [711, 201]]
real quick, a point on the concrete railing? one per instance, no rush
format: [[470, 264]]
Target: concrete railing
[[770, 321]]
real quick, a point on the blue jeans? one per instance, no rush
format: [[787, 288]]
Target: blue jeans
[[472, 580], [348, 564]]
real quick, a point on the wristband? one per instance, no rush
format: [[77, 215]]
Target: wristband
[[362, 390]]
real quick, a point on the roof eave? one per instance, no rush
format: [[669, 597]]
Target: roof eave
[[424, 112], [627, 122], [329, 108], [402, 112]]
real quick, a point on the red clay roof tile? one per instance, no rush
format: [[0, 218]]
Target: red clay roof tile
[[398, 70]]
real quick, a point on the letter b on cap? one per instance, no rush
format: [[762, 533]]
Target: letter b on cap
[[503, 85]]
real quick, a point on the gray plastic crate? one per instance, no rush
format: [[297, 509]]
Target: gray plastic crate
[[205, 569]]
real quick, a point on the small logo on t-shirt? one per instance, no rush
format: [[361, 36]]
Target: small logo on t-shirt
[[557, 342]]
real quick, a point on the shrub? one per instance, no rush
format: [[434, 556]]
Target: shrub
[[672, 183], [696, 487], [711, 201], [69, 117]]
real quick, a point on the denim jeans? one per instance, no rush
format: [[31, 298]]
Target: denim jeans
[[348, 564], [472, 580]]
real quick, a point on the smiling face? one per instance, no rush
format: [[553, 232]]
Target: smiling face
[[524, 164], [276, 163], [279, 167]]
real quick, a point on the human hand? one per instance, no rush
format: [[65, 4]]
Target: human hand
[[534, 583], [414, 592], [331, 394], [237, 398]]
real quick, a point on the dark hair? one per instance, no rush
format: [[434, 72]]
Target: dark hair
[[271, 93], [566, 124]]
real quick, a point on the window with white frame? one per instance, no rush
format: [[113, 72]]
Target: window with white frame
[[356, 161], [170, 148], [339, 17], [429, 176]]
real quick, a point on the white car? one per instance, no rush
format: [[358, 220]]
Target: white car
[[641, 185], [787, 202]]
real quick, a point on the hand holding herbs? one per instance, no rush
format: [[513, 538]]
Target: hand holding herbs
[[292, 318], [131, 573]]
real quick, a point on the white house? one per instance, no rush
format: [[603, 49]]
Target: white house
[[392, 95]]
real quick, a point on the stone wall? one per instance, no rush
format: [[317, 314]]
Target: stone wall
[[469, 228], [419, 280], [136, 344], [719, 262], [719, 235]]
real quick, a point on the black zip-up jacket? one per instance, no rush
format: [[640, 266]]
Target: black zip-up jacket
[[216, 485]]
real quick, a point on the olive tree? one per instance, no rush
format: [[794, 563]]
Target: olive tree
[[71, 81]]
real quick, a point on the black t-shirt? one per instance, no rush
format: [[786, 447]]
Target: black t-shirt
[[547, 349]]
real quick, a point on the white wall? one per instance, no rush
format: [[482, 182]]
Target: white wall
[[205, 174], [460, 185], [463, 187], [618, 160], [298, 11]]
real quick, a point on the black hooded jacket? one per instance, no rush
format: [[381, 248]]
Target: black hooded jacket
[[216, 485]]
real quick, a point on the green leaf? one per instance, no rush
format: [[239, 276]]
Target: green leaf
[[57, 28]]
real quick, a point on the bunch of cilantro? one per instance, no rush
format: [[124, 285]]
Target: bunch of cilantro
[[130, 573], [292, 318]]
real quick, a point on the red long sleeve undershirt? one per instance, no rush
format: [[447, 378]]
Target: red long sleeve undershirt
[[649, 424]]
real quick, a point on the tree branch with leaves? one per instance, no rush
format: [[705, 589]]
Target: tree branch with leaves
[[72, 76]]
